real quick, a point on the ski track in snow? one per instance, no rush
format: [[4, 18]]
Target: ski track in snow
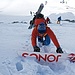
[[15, 37]]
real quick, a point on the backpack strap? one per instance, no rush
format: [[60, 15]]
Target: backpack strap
[[45, 34]]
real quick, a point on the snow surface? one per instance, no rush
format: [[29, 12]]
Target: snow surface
[[17, 36]]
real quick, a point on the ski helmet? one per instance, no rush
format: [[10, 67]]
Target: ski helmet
[[41, 28]]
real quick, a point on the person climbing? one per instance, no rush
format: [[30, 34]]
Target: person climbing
[[59, 19], [44, 35]]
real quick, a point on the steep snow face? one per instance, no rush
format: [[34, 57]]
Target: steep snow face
[[17, 36]]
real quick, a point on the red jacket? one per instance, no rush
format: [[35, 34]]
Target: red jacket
[[50, 33]]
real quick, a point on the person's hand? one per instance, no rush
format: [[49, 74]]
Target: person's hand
[[36, 49], [59, 50]]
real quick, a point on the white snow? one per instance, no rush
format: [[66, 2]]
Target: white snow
[[17, 36]]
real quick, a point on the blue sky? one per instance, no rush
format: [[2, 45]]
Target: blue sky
[[23, 7]]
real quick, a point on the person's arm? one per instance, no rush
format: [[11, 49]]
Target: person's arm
[[33, 40], [53, 37], [55, 41], [33, 37]]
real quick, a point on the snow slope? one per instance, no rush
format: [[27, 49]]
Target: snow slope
[[16, 36]]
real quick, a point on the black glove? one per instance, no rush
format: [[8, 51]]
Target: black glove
[[36, 49], [59, 50]]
